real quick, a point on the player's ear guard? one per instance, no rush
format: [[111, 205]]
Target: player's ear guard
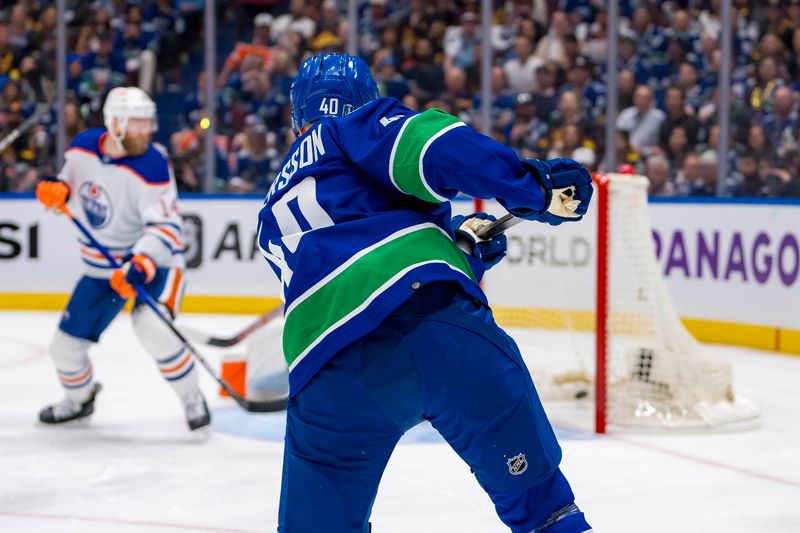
[[52, 192], [567, 187]]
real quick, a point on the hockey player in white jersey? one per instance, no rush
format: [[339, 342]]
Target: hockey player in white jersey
[[120, 186]]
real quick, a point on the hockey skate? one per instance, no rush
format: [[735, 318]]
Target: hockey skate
[[67, 410], [197, 415]]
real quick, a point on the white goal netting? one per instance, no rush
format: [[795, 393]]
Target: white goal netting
[[658, 375]]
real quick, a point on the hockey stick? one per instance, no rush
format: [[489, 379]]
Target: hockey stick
[[248, 405], [495, 228], [22, 128], [492, 230], [226, 342]]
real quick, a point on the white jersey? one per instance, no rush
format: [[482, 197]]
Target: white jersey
[[129, 204]]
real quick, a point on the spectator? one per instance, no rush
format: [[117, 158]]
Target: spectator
[[521, 70], [657, 170], [167, 22], [705, 175], [295, 21], [677, 146], [626, 86], [625, 154], [426, 77], [545, 96], [527, 134], [19, 25], [253, 158], [456, 94], [139, 48], [390, 82], [651, 42], [757, 143], [461, 43], [551, 46], [106, 58], [570, 140], [781, 124], [677, 117], [749, 177], [259, 46], [502, 110], [642, 121], [188, 149], [592, 94], [9, 57], [765, 82], [569, 111], [629, 59], [689, 82]]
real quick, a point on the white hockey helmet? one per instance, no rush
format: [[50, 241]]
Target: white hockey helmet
[[124, 103]]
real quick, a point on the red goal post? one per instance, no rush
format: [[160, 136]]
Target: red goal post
[[624, 347]]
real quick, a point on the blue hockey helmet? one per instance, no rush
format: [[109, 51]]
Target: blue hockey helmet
[[330, 85]]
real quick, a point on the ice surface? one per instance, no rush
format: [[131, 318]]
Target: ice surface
[[136, 468]]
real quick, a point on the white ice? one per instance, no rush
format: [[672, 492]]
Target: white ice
[[136, 468]]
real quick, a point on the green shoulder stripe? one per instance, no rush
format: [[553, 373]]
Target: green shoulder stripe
[[348, 290], [405, 162]]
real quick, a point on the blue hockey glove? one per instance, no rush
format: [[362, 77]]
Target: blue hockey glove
[[567, 187], [489, 252]]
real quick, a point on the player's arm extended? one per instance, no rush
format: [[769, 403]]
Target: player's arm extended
[[433, 156]]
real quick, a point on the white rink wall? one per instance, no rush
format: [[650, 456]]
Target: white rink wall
[[731, 267]]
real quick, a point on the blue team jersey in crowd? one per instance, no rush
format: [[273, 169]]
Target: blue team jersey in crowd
[[358, 216]]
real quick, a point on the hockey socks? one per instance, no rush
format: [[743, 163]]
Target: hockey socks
[[67, 410]]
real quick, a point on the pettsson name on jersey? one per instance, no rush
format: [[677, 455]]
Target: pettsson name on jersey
[[307, 153], [359, 216]]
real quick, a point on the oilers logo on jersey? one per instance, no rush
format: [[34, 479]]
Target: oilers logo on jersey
[[96, 204]]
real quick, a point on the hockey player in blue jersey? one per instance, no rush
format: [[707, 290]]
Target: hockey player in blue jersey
[[120, 186], [386, 325]]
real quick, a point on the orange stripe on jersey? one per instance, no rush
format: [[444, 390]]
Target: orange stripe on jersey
[[172, 300], [179, 365], [174, 238], [79, 378], [97, 255]]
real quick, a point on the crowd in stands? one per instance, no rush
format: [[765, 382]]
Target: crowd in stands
[[548, 81]]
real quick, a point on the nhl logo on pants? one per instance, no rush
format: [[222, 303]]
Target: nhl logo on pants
[[517, 464]]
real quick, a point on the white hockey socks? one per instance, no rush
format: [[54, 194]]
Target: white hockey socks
[[174, 360], [71, 358]]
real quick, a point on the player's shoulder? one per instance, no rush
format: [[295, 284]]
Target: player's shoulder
[[379, 112], [88, 140], [152, 166]]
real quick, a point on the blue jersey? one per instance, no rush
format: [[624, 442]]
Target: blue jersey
[[358, 217]]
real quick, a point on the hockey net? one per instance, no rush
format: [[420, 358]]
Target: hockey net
[[628, 351]]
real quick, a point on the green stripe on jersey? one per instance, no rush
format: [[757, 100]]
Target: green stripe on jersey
[[405, 162], [349, 289]]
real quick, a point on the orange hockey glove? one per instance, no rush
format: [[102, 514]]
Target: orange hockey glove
[[52, 192], [139, 270]]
